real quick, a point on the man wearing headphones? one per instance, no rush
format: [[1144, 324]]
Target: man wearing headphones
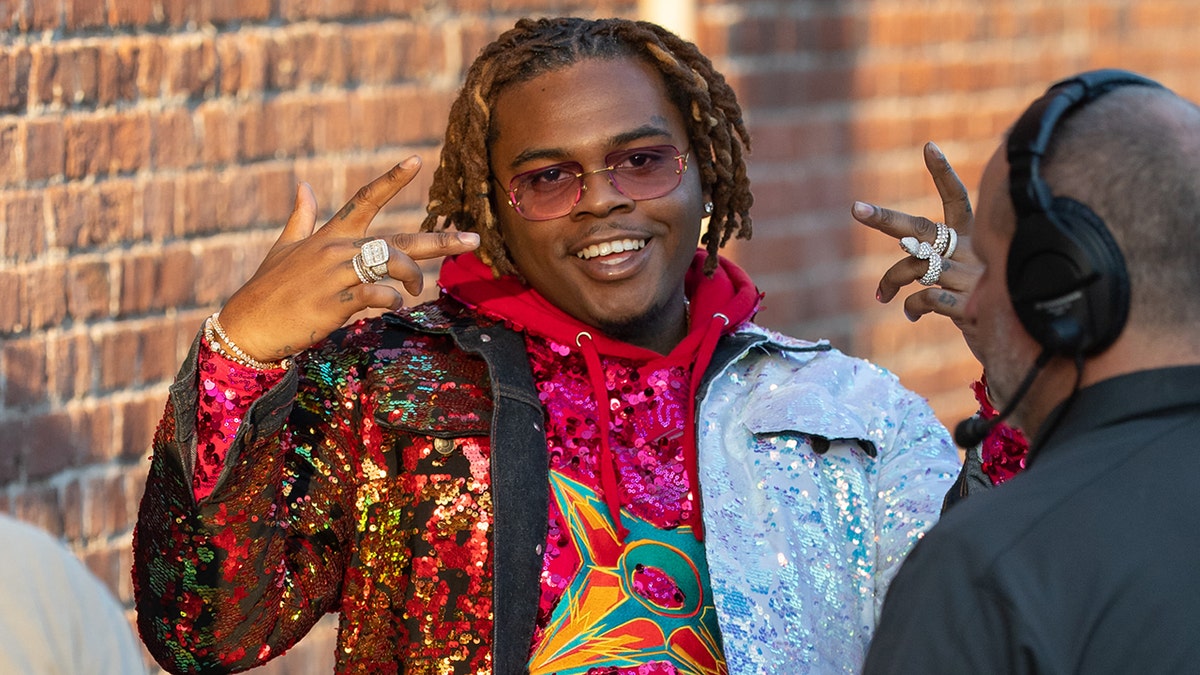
[[1087, 319]]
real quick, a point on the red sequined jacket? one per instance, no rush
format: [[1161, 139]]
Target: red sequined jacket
[[387, 426]]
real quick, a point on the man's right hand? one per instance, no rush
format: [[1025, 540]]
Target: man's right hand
[[306, 287]]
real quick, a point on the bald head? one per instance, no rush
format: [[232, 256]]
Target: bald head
[[1133, 156]]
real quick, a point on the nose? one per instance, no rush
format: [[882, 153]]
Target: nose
[[599, 194]]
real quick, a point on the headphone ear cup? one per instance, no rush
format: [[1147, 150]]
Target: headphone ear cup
[[1067, 279]]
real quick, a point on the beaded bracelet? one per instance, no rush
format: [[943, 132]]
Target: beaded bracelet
[[221, 344]]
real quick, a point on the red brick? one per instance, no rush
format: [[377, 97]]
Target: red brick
[[88, 145], [43, 299], [15, 63], [65, 74], [198, 213], [12, 319], [150, 66], [130, 143], [24, 366], [89, 287], [12, 152], [216, 276], [178, 12], [156, 280], [45, 16], [71, 365], [44, 147], [158, 209], [117, 355], [38, 505], [52, 444], [176, 145], [243, 58], [119, 64], [191, 67], [105, 507], [25, 221], [286, 128], [84, 14], [86, 216], [131, 13], [140, 418], [105, 563], [70, 504]]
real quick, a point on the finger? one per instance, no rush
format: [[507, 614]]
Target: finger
[[426, 245], [894, 223], [406, 270], [379, 296], [937, 300], [304, 216], [956, 277], [956, 204], [356, 215]]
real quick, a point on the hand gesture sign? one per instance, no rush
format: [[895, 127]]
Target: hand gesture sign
[[940, 255], [310, 284]]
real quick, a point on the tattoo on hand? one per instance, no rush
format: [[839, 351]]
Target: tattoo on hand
[[948, 299], [346, 210], [345, 296]]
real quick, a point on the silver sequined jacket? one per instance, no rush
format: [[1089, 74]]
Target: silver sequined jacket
[[818, 473]]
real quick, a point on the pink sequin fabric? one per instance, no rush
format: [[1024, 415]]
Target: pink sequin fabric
[[1005, 448]]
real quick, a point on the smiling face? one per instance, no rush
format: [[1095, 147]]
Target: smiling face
[[611, 262]]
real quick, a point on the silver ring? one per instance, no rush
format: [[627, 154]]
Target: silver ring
[[375, 255], [942, 238], [921, 250], [364, 274], [953, 245], [933, 272]]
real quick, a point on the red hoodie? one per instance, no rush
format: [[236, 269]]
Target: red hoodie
[[717, 306]]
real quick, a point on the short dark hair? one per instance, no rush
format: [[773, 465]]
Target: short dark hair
[[462, 195], [1133, 156]]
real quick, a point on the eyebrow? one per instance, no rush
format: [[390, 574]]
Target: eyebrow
[[644, 131]]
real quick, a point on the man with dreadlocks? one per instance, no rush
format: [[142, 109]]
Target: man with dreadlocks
[[583, 457]]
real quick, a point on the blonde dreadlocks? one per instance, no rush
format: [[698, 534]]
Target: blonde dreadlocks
[[461, 194]]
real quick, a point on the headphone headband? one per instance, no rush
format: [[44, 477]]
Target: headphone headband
[[1031, 135]]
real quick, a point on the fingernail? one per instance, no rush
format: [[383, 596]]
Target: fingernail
[[469, 238], [410, 162], [862, 210]]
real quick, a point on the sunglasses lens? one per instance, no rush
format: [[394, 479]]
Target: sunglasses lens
[[646, 173], [638, 173], [549, 192]]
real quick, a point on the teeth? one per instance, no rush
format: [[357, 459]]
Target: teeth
[[610, 247]]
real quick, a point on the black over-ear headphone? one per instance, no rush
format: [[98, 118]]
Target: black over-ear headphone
[[1066, 275]]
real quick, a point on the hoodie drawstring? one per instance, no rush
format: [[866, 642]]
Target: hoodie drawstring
[[607, 460]]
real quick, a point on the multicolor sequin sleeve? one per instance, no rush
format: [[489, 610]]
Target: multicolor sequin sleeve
[[225, 583], [335, 495]]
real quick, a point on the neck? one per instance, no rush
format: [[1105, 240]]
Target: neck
[[659, 330]]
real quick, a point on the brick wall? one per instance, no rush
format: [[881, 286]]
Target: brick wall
[[149, 151]]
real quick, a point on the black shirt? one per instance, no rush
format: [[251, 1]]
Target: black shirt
[[1089, 562]]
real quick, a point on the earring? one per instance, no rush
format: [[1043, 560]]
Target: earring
[[708, 208]]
